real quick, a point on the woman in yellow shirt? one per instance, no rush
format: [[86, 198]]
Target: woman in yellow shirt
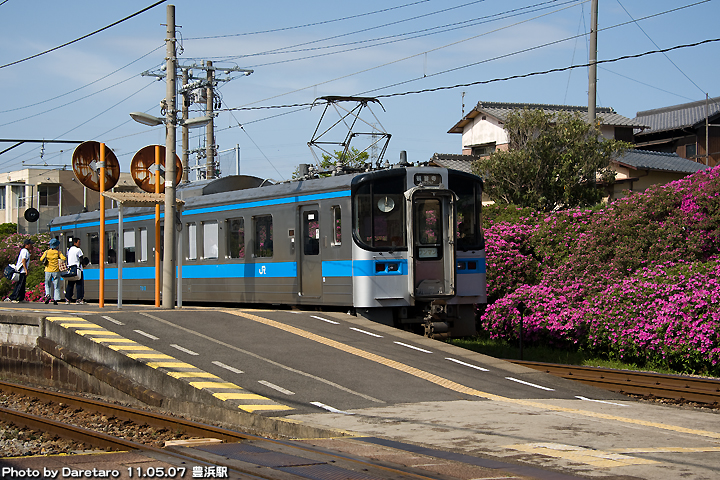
[[51, 259]]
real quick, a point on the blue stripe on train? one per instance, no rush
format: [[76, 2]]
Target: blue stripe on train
[[221, 208], [335, 268]]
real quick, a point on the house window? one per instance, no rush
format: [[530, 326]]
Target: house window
[[19, 193], [691, 150], [236, 238], [49, 195], [483, 150], [2, 198], [192, 241], [263, 236], [210, 240]]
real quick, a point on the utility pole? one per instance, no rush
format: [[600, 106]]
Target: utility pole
[[210, 128], [185, 133], [592, 71], [168, 284]]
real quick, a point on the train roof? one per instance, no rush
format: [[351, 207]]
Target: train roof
[[238, 188]]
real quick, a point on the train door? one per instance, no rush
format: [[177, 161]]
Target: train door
[[310, 264], [432, 253]]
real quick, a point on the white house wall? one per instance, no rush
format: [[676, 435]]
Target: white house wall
[[482, 132]]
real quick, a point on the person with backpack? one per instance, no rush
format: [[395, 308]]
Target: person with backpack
[[51, 259], [75, 257], [21, 267]]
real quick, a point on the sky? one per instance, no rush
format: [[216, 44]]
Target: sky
[[427, 61]]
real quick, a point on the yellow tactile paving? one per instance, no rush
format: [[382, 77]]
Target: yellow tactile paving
[[238, 396], [197, 374], [169, 365], [214, 385], [457, 387], [87, 333], [256, 408], [129, 347], [157, 356], [174, 368], [113, 340]]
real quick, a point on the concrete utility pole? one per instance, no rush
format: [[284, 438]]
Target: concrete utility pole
[[592, 71], [168, 284], [185, 133], [210, 128]]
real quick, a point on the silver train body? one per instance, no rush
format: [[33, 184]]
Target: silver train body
[[401, 246]]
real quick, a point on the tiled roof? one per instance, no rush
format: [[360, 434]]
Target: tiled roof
[[677, 116], [454, 161], [669, 162], [501, 110]]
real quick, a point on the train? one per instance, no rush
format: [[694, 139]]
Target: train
[[401, 245]]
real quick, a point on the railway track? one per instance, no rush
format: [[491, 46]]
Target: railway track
[[281, 454], [657, 385]]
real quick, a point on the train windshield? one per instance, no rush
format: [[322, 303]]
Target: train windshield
[[380, 212], [468, 188]]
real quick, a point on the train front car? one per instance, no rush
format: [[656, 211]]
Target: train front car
[[418, 251]]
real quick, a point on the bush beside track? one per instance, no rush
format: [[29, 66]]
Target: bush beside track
[[637, 280]]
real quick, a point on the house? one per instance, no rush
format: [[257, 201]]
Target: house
[[53, 192], [637, 170], [483, 132], [681, 129]]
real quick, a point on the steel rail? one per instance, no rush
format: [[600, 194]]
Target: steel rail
[[676, 387], [195, 429], [191, 428]]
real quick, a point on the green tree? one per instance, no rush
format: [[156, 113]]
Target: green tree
[[354, 158], [553, 160]]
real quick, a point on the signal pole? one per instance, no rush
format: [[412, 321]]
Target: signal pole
[[210, 128], [168, 284], [185, 134]]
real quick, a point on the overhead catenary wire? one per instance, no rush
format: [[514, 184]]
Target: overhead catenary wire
[[84, 36], [485, 82], [658, 46], [324, 22]]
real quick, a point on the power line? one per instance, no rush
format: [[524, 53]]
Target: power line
[[84, 36], [553, 70], [416, 34], [658, 46], [324, 22], [494, 80], [413, 56], [84, 86]]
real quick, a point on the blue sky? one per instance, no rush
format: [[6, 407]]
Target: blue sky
[[303, 50]]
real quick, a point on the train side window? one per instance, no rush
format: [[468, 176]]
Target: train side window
[[263, 236], [192, 241], [236, 237], [143, 245], [129, 246], [311, 233], [111, 247], [337, 230], [94, 245], [210, 239]]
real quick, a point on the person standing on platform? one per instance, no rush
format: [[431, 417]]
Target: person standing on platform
[[21, 267], [75, 257], [51, 259]]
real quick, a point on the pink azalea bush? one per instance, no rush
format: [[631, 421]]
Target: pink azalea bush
[[638, 280]]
